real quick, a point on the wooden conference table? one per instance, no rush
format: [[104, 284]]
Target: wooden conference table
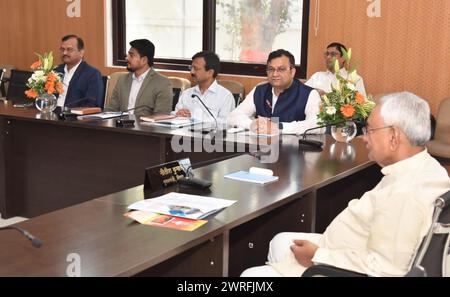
[[48, 164], [312, 188]]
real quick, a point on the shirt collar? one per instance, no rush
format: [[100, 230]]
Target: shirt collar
[[74, 68], [406, 165], [342, 72], [141, 77], [212, 88]]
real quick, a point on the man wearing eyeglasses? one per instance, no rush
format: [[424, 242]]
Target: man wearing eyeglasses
[[322, 80], [379, 233], [83, 85], [281, 103], [220, 102]]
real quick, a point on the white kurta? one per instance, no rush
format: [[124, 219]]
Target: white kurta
[[379, 233], [322, 80], [245, 113]]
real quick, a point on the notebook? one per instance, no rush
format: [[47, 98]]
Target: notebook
[[251, 177], [178, 122]]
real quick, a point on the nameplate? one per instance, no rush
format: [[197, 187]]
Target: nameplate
[[162, 176]]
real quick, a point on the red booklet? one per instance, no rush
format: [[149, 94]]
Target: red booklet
[[85, 110]]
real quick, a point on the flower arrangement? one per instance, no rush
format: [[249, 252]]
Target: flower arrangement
[[344, 102], [44, 79]]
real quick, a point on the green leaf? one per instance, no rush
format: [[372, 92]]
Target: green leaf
[[336, 66]]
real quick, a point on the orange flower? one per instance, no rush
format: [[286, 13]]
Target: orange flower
[[51, 77], [359, 98], [59, 88], [50, 87], [31, 94], [36, 65], [348, 110]]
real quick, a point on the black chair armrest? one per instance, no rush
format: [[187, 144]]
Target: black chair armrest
[[327, 270]]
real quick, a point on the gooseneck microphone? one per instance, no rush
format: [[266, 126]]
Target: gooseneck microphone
[[191, 181], [314, 144], [209, 111], [36, 242], [126, 123]]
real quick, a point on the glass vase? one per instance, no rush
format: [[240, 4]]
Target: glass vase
[[46, 102], [344, 132]]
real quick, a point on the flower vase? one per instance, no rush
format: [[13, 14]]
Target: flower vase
[[344, 132], [46, 102]]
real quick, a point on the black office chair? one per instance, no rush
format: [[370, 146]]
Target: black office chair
[[17, 86], [431, 258], [2, 87], [105, 80]]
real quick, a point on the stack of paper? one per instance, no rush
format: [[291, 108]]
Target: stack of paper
[[158, 117], [177, 122], [159, 220], [183, 205], [104, 115]]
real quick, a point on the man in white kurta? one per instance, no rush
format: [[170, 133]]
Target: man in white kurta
[[379, 233], [322, 80]]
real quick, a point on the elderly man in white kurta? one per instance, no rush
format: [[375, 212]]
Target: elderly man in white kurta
[[379, 233]]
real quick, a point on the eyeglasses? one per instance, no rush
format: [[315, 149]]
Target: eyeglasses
[[367, 131], [331, 54], [190, 67], [281, 70], [68, 50]]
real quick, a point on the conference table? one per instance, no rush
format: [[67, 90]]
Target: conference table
[[48, 164], [313, 187]]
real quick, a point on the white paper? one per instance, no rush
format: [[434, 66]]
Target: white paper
[[182, 205], [104, 115], [178, 122]]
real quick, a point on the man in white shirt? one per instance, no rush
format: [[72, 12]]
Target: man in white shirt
[[379, 233], [322, 80], [220, 102], [281, 103]]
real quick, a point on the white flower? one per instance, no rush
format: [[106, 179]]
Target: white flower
[[330, 110], [38, 76], [336, 86], [352, 76], [351, 86]]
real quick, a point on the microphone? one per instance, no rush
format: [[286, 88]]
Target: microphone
[[210, 113], [190, 181], [36, 242], [315, 145], [127, 123]]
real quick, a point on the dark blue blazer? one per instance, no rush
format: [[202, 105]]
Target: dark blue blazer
[[85, 87]]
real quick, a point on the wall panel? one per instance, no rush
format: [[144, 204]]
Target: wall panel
[[405, 49]]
